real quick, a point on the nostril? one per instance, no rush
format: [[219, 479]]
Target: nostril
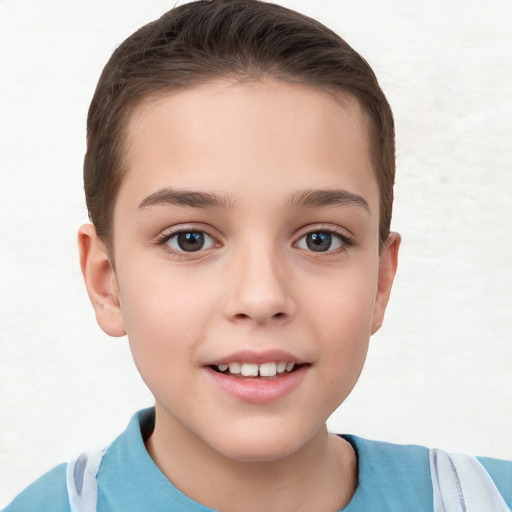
[[278, 315]]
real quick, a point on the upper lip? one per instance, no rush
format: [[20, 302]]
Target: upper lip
[[256, 357]]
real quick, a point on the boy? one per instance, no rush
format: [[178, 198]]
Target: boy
[[239, 177]]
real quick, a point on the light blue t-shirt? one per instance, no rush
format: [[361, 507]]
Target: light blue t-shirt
[[392, 478]]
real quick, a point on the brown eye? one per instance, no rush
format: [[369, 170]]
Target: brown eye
[[190, 241]]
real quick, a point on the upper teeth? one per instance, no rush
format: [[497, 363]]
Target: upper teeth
[[253, 370]]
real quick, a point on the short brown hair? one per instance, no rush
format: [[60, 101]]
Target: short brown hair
[[203, 40]]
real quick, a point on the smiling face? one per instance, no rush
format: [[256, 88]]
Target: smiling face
[[248, 272]]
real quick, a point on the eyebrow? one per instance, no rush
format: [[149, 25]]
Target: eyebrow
[[330, 197], [300, 199], [186, 198]]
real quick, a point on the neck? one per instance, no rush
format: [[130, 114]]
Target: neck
[[320, 476]]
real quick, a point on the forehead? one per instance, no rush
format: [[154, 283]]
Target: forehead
[[225, 132]]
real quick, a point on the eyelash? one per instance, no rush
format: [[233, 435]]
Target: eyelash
[[162, 241], [344, 240]]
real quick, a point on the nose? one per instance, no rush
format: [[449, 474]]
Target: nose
[[259, 289]]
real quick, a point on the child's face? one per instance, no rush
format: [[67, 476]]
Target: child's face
[[246, 232]]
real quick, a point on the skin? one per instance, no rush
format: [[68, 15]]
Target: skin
[[256, 285]]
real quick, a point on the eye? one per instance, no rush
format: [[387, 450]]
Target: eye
[[189, 241], [322, 241]]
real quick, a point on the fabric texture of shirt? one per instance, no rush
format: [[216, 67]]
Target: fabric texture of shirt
[[392, 478]]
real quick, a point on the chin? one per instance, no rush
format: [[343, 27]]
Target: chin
[[260, 444], [258, 453]]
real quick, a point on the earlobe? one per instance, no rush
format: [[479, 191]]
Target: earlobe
[[387, 270], [100, 281]]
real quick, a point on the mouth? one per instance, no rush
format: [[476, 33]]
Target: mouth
[[258, 377], [270, 369]]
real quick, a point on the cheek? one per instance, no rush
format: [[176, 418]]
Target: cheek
[[343, 314], [165, 320], [343, 303]]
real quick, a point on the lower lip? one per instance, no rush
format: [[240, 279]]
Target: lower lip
[[258, 390]]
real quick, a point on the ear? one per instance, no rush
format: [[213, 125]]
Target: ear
[[387, 270], [100, 281]]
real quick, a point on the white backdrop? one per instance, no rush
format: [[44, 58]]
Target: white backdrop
[[438, 373]]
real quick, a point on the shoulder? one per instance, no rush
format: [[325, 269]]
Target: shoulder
[[402, 473], [391, 460], [48, 493], [501, 473], [396, 477]]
